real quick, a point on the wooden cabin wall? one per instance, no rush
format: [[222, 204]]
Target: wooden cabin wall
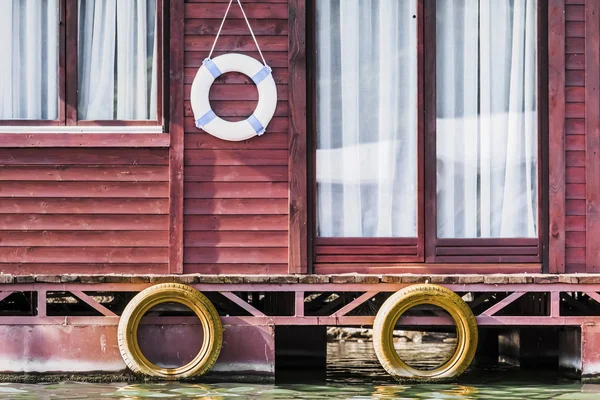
[[83, 210], [575, 236], [236, 193]]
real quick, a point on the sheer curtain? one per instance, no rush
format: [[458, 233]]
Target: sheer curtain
[[117, 63], [29, 61], [486, 118], [366, 118]]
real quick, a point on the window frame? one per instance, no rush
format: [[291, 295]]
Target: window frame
[[344, 254], [351, 250], [68, 79]]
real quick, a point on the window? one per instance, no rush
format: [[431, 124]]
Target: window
[[366, 119], [81, 62], [29, 62], [426, 155], [486, 123]]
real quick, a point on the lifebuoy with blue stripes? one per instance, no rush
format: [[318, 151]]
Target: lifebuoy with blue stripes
[[210, 122]]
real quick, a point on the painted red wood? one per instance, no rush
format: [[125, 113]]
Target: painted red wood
[[236, 173], [226, 269], [83, 238], [246, 223], [576, 116], [236, 196], [65, 208], [133, 173], [438, 268], [280, 75], [557, 79], [255, 10], [84, 189], [176, 153], [236, 206], [84, 140], [75, 206], [255, 255], [87, 222], [81, 268], [297, 158], [591, 254], [235, 239]]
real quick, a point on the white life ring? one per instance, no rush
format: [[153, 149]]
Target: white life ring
[[206, 118]]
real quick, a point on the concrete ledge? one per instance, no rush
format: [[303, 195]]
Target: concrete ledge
[[492, 279]]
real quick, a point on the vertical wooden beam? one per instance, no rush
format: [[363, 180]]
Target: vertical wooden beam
[[297, 158], [71, 60], [556, 133], [592, 135], [176, 21], [420, 132], [429, 127]]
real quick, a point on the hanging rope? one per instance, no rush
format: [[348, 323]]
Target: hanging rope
[[249, 27]]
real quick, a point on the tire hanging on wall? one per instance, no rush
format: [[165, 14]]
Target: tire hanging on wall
[[403, 300], [170, 293]]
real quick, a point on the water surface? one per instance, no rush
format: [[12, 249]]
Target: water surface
[[352, 373]]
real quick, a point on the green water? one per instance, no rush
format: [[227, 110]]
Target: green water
[[352, 373]]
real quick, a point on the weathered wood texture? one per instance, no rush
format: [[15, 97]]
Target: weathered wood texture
[[574, 243], [592, 135], [176, 118], [236, 202], [556, 133], [69, 210]]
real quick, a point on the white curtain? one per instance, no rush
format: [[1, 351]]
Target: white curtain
[[486, 118], [29, 61], [117, 63], [366, 118]]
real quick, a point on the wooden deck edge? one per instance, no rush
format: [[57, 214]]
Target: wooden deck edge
[[493, 279]]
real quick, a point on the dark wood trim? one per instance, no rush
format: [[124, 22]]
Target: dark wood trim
[[62, 61], [433, 243], [20, 140], [116, 122], [493, 242], [71, 78], [556, 135], [412, 248], [297, 160], [322, 241], [176, 128], [543, 117], [429, 110], [427, 242], [29, 122], [592, 135], [420, 131], [430, 268], [160, 64], [311, 50]]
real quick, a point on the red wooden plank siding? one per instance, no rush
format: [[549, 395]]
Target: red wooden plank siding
[[70, 210], [575, 138], [176, 155], [591, 254], [236, 193]]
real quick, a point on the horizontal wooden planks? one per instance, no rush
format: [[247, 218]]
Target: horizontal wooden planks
[[236, 193], [575, 109], [83, 210]]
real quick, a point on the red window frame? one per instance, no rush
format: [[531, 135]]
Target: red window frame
[[330, 255], [68, 79]]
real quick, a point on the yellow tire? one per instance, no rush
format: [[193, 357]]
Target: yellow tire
[[170, 293], [403, 300]]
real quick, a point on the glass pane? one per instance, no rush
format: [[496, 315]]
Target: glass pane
[[29, 62], [487, 119], [117, 64], [366, 118]]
